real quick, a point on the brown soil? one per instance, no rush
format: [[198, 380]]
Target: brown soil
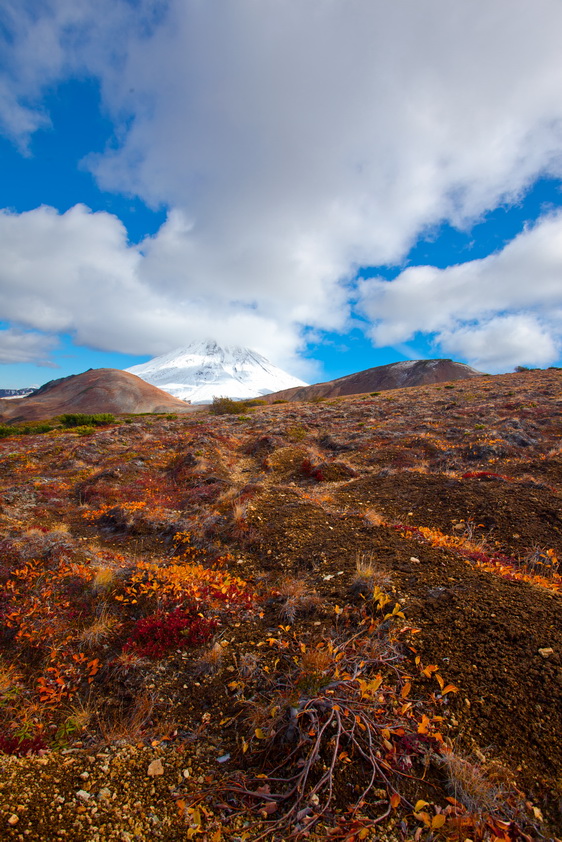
[[449, 499]]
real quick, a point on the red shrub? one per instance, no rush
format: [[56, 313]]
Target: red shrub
[[157, 634], [20, 746]]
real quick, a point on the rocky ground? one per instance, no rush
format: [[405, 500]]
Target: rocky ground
[[335, 619]]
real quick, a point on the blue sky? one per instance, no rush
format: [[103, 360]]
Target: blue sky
[[337, 185]]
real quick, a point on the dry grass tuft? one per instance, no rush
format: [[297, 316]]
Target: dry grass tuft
[[211, 660], [103, 627], [248, 665], [239, 511], [9, 678], [471, 786], [127, 725], [374, 518], [317, 660], [368, 575], [104, 578], [298, 599], [81, 716]]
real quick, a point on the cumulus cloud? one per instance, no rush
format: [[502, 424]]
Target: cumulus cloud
[[76, 273], [502, 342], [293, 143], [503, 310], [18, 346]]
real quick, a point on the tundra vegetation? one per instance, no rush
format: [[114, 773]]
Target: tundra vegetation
[[333, 620]]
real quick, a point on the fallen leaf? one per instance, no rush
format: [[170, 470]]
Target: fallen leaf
[[406, 689]]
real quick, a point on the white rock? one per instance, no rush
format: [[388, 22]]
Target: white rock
[[155, 768], [546, 652]]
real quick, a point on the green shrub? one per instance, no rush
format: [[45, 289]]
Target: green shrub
[[43, 428], [279, 401], [77, 419], [256, 402], [227, 406], [25, 430], [33, 429], [296, 434]]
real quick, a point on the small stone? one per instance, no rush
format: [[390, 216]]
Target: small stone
[[85, 776], [414, 560], [186, 773], [13, 820], [546, 652], [155, 768], [83, 794], [104, 794]]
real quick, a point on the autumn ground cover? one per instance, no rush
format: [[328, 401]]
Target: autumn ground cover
[[337, 619]]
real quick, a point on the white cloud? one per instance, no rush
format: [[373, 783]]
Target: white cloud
[[17, 346], [76, 273], [293, 142], [497, 312], [502, 342]]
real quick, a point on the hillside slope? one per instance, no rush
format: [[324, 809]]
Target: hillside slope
[[381, 378], [95, 391], [335, 620]]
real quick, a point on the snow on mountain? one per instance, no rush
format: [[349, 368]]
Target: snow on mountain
[[12, 394], [204, 370]]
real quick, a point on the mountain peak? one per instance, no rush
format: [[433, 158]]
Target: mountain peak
[[202, 370]]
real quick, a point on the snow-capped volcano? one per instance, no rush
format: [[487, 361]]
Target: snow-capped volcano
[[204, 370]]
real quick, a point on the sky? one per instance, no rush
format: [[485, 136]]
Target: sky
[[336, 184]]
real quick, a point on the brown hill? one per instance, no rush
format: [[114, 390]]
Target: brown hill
[[96, 390], [393, 376]]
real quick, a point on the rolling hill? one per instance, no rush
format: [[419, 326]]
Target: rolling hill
[[98, 390], [393, 376]]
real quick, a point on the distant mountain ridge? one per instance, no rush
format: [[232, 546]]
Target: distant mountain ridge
[[392, 376], [203, 370], [15, 393]]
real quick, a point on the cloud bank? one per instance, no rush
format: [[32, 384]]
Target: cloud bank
[[502, 310], [292, 144]]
